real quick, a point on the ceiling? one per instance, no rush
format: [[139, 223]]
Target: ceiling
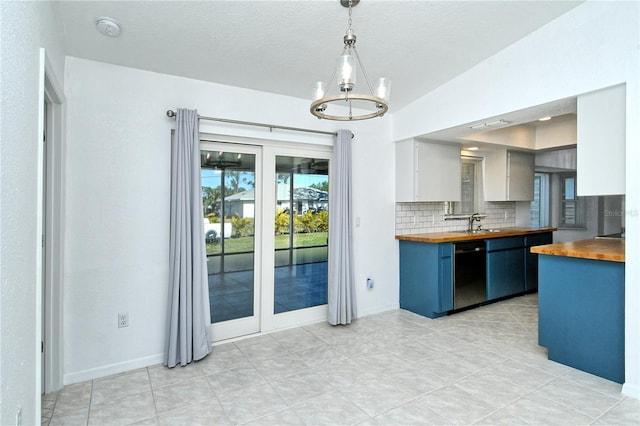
[[467, 135], [283, 47]]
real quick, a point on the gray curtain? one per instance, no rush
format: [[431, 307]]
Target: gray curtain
[[342, 297], [189, 318]]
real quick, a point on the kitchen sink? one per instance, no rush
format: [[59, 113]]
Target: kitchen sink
[[479, 231]]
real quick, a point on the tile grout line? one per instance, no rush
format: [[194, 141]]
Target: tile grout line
[[89, 408], [153, 395]]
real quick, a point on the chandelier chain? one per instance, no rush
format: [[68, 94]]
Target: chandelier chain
[[350, 5]]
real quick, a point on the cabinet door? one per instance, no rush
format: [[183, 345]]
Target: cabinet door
[[505, 273], [437, 172], [405, 171], [509, 176], [419, 278], [427, 171], [520, 175], [495, 176]]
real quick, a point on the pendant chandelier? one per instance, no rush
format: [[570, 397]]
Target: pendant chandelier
[[346, 70]]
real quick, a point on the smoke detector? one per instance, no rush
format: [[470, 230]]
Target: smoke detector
[[108, 26]]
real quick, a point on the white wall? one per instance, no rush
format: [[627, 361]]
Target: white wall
[[601, 122], [591, 47], [117, 222], [26, 27]]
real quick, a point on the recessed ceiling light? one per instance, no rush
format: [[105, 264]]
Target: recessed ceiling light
[[108, 26], [472, 148], [544, 119]]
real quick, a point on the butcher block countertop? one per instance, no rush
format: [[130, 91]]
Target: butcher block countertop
[[611, 249], [448, 237]]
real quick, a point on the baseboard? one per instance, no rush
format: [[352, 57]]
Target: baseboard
[[631, 390], [378, 310], [121, 367], [111, 369]]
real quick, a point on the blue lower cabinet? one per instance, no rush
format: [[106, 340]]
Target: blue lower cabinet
[[581, 314], [426, 272], [426, 283], [505, 267]]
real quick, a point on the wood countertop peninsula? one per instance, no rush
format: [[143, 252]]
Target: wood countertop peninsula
[[454, 236], [611, 249]]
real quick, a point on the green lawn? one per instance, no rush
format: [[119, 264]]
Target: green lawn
[[234, 245]]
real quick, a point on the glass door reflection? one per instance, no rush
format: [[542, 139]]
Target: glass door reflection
[[228, 194], [301, 233]]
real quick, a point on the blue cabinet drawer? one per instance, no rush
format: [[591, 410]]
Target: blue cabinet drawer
[[505, 243], [538, 239]]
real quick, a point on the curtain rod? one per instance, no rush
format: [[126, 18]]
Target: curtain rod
[[172, 114]]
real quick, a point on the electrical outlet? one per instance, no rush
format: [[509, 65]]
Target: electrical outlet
[[19, 416], [369, 283], [123, 319]]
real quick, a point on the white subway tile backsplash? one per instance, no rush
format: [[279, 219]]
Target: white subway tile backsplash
[[416, 218]]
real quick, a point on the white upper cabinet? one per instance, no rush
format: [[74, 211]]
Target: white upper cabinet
[[601, 142], [508, 176], [427, 171]]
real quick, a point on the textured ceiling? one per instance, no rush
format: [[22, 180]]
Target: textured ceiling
[[285, 46]]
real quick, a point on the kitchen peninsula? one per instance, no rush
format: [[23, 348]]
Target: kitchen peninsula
[[581, 304]]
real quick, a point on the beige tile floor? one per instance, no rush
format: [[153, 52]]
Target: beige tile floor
[[481, 367]]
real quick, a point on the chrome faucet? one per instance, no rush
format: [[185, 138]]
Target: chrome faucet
[[475, 217]]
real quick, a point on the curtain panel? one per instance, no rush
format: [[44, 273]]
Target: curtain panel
[[189, 318], [341, 286]]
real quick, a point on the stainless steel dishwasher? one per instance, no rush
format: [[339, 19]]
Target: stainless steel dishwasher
[[469, 274]]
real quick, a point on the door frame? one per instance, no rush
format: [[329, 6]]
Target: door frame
[[50, 215]]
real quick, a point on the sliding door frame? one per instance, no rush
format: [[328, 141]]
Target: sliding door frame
[[265, 238]]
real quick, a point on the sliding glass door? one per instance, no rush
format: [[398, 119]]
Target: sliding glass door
[[266, 220]]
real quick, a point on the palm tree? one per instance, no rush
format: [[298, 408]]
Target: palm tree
[[211, 198]]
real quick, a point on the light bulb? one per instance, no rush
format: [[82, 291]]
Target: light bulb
[[383, 90], [346, 72], [318, 91]]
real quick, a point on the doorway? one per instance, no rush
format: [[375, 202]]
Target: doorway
[[50, 217]]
